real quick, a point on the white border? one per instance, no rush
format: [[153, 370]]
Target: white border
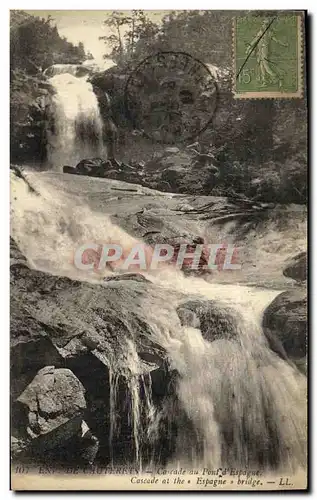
[[310, 5]]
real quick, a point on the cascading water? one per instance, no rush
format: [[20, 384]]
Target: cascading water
[[74, 131], [246, 405]]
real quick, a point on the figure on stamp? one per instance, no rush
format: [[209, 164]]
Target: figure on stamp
[[261, 45]]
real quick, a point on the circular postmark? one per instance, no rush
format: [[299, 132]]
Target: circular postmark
[[171, 97]]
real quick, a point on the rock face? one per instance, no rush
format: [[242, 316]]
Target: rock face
[[296, 267], [16, 257], [286, 319], [111, 81], [44, 308], [30, 99]]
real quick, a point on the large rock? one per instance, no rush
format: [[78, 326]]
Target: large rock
[[286, 319], [96, 167], [47, 420], [296, 267], [214, 320], [111, 80], [54, 402]]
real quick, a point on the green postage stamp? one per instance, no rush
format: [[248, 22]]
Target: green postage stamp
[[267, 53]]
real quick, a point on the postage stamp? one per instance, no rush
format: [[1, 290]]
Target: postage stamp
[[267, 56]]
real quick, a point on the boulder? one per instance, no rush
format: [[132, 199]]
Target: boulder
[[18, 446], [68, 169], [54, 402], [296, 267], [286, 319], [127, 276], [215, 320], [47, 420], [93, 166]]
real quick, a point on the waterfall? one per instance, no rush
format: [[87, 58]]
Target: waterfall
[[246, 406], [141, 414], [113, 383], [74, 130]]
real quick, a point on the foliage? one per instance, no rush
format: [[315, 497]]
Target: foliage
[[36, 44], [270, 181], [135, 36], [130, 34]]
